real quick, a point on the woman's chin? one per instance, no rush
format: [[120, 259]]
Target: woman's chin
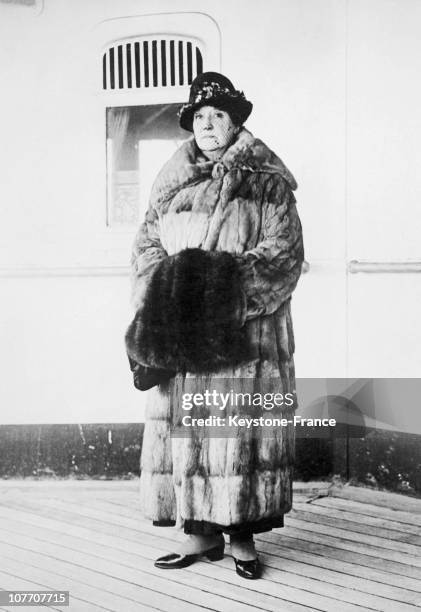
[[208, 144]]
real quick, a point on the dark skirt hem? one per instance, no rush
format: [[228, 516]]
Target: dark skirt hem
[[206, 528], [167, 523]]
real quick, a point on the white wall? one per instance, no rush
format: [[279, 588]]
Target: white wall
[[62, 354], [384, 185]]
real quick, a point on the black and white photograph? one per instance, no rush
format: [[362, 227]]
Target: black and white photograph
[[210, 287]]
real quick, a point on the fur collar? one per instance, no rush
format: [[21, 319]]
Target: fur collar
[[188, 165]]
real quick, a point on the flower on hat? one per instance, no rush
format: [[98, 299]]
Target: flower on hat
[[211, 90]]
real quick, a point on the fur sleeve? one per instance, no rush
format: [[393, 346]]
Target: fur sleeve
[[147, 253], [271, 270]]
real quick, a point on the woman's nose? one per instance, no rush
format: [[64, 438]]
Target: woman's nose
[[208, 123]]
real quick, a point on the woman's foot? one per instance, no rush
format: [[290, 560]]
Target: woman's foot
[[191, 548], [243, 549], [198, 544], [247, 564]]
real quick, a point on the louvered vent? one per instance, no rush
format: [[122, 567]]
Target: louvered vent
[[163, 62]]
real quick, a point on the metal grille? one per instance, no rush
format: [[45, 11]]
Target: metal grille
[[135, 64]]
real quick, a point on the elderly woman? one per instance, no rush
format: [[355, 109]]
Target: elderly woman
[[213, 267]]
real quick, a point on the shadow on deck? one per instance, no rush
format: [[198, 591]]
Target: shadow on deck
[[351, 550]]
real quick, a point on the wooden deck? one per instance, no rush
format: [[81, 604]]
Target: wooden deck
[[88, 538]]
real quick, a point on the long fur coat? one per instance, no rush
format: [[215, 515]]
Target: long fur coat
[[242, 205]]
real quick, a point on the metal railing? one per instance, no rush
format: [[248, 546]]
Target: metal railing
[[384, 267]]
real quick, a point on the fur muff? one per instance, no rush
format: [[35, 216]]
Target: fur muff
[[191, 318]]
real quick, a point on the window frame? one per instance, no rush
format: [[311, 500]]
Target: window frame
[[197, 27]]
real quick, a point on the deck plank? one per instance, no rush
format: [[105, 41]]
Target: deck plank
[[96, 520], [303, 542], [273, 599], [334, 554], [388, 538], [130, 556], [109, 548], [401, 551], [50, 530], [293, 527], [366, 509], [315, 544], [128, 573], [12, 582], [129, 506], [96, 590], [120, 575], [373, 525]]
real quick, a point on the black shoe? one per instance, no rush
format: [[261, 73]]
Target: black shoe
[[176, 561], [248, 569]]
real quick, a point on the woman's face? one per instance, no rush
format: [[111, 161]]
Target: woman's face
[[213, 129]]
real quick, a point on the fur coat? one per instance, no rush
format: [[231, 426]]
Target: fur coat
[[242, 205]]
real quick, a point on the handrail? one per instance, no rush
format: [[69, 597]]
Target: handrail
[[53, 271], [56, 271], [384, 267]]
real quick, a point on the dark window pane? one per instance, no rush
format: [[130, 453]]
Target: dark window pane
[[104, 71], [146, 63], [164, 62], [180, 63], [199, 61], [112, 77], [189, 63], [129, 64], [137, 63], [154, 63], [172, 61], [120, 66]]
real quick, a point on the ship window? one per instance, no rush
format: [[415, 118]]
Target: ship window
[[140, 139], [145, 79]]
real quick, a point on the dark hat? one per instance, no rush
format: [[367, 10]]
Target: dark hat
[[214, 89]]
